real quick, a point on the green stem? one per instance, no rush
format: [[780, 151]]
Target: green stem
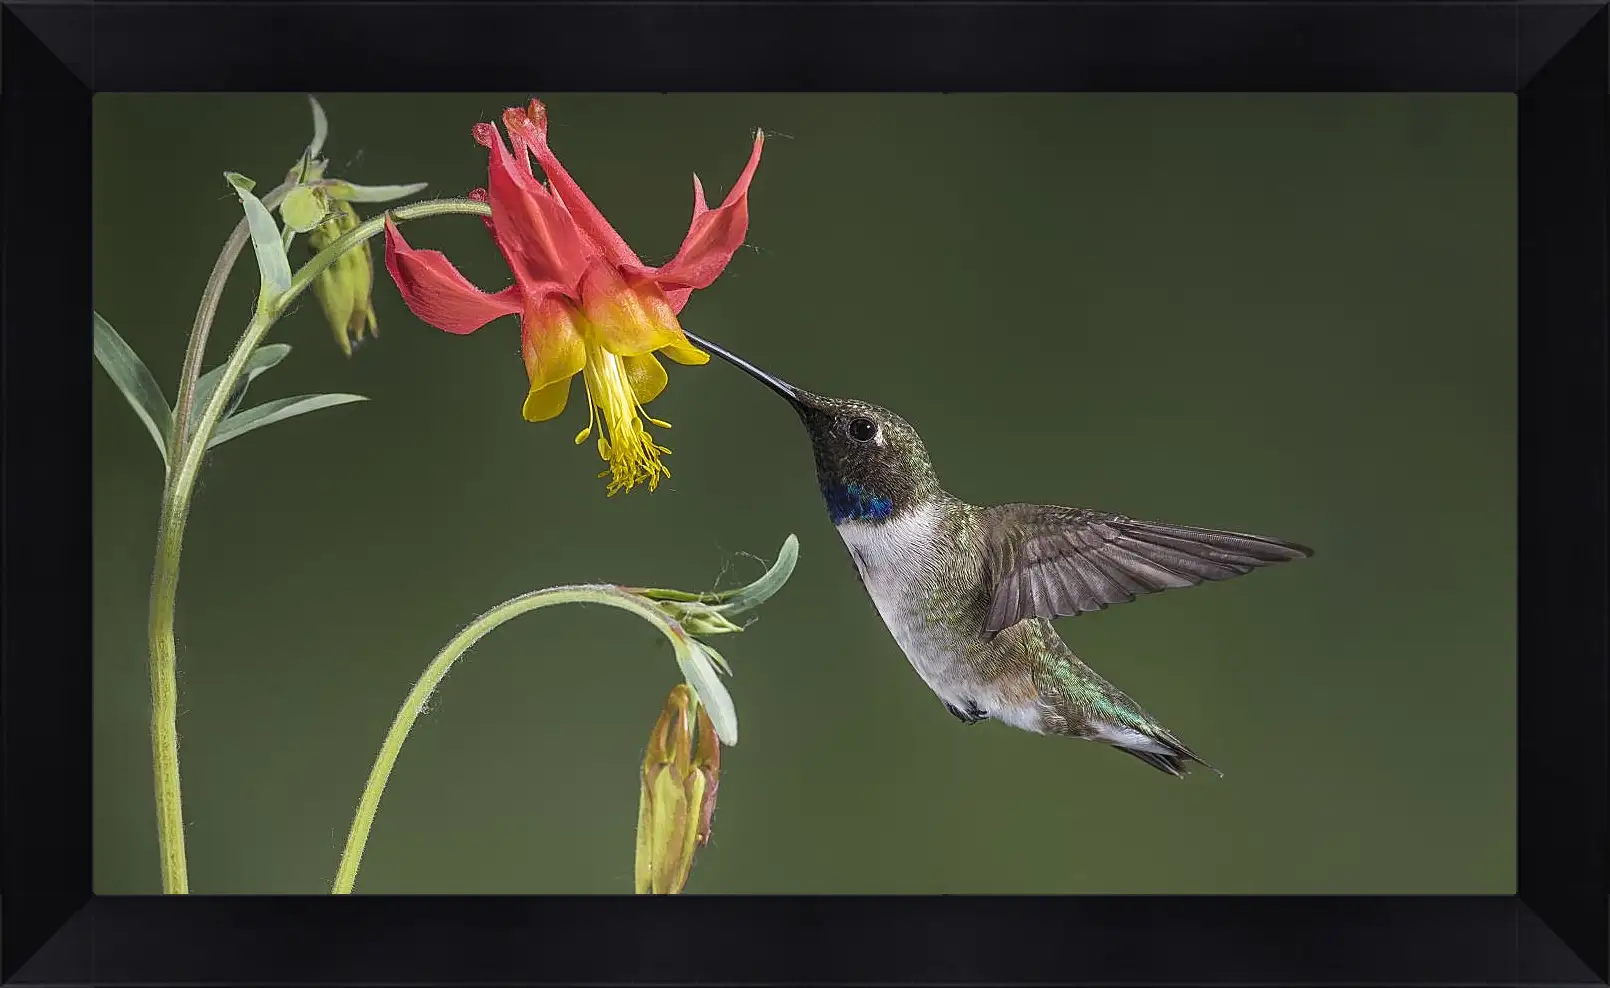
[[347, 873], [196, 349], [370, 227], [176, 511], [164, 717]]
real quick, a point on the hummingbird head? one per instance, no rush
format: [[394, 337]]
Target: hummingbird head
[[870, 462]]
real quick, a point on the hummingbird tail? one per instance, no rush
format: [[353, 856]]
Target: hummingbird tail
[[1171, 764], [1174, 761], [1174, 765], [1080, 704]]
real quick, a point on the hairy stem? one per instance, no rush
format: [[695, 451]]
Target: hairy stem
[[164, 726], [347, 872], [170, 534], [368, 228]]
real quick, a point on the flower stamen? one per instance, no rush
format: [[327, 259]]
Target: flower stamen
[[623, 441], [592, 417]]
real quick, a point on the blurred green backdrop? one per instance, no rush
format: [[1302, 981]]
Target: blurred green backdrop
[[1288, 314]]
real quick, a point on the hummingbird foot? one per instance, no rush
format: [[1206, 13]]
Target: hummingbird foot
[[972, 715]]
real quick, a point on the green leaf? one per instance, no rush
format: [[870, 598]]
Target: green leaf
[[321, 128], [134, 379], [307, 169], [701, 678], [341, 189], [261, 360], [716, 657], [278, 410], [752, 596], [271, 261], [298, 173]]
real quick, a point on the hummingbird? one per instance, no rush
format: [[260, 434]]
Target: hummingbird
[[969, 592]]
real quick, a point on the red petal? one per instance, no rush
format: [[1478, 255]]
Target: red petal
[[437, 293], [529, 128], [678, 297], [715, 234], [537, 237], [700, 207]]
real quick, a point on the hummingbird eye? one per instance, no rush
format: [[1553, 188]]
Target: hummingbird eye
[[862, 430]]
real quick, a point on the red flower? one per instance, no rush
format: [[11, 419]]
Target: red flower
[[587, 303]]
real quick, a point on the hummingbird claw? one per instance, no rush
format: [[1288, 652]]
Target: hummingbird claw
[[972, 715]]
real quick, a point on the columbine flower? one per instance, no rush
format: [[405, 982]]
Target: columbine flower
[[587, 303], [681, 773]]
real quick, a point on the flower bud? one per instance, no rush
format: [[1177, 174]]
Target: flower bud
[[345, 288], [699, 619], [305, 208], [696, 617], [681, 774]]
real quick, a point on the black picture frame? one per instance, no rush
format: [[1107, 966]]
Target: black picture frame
[[53, 930]]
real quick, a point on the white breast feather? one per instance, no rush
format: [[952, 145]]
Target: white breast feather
[[898, 562]]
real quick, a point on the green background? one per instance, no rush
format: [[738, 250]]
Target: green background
[[1286, 314]]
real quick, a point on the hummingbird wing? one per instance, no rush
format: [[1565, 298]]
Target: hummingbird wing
[[1049, 562]]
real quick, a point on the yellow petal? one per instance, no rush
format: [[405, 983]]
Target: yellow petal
[[647, 377], [542, 404], [684, 352], [551, 343]]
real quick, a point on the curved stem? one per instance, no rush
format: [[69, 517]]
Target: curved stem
[[196, 349], [370, 227], [347, 873], [170, 537]]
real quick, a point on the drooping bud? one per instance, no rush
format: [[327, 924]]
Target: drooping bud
[[345, 288], [681, 773]]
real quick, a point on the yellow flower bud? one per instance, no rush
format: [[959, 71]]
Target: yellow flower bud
[[345, 288], [305, 208], [681, 773]]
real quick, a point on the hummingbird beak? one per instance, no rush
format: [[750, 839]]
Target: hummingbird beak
[[797, 397]]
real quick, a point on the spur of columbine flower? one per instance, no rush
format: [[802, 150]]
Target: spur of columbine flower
[[587, 303]]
